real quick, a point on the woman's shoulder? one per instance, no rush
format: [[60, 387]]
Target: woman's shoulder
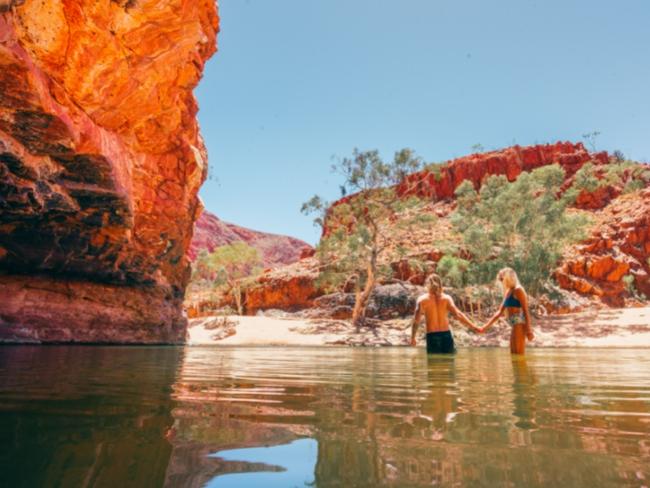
[[519, 291]]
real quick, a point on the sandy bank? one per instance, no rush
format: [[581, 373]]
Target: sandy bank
[[604, 328]]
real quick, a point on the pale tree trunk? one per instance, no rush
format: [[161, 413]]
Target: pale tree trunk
[[362, 296], [236, 293]]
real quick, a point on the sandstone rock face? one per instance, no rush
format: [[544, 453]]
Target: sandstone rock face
[[511, 162], [100, 164], [211, 232], [619, 246], [284, 293]]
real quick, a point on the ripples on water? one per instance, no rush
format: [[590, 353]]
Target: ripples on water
[[101, 416]]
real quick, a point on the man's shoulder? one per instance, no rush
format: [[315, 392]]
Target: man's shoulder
[[447, 298], [422, 298]]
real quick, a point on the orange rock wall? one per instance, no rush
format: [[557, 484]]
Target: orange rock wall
[[618, 247], [510, 162], [101, 157]]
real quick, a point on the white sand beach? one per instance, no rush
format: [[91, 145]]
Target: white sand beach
[[603, 328]]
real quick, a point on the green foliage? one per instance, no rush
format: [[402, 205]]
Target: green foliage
[[454, 271], [627, 175], [523, 225], [586, 178], [226, 264], [357, 229]]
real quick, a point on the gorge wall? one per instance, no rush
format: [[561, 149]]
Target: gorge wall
[[101, 160]]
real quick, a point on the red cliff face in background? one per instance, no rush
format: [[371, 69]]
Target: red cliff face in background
[[619, 244], [211, 232], [100, 164]]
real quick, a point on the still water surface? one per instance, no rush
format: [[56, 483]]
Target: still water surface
[[283, 417]]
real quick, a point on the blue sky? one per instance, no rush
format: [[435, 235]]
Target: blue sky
[[296, 82]]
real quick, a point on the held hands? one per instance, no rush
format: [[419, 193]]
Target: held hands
[[529, 335], [477, 329], [413, 341]]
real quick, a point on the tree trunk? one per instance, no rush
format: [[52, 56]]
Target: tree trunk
[[236, 292], [362, 297]]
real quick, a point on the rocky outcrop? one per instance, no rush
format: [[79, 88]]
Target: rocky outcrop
[[618, 247], [211, 232], [100, 164], [281, 292], [440, 181]]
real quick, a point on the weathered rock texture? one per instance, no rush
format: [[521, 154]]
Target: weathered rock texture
[[211, 232], [100, 163], [511, 162], [618, 247]]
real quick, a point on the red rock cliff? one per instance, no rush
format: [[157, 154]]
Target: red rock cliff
[[100, 164]]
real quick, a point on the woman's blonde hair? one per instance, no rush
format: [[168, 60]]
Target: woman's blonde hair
[[434, 284], [508, 278]]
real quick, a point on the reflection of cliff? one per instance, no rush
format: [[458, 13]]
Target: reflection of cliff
[[83, 417], [390, 419], [100, 164]]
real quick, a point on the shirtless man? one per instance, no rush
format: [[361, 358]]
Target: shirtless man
[[435, 307]]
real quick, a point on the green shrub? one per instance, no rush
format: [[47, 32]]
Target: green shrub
[[523, 224]]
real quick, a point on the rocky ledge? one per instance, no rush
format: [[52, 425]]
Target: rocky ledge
[[100, 164]]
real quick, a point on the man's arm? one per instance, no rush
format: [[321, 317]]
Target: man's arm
[[416, 322], [460, 315]]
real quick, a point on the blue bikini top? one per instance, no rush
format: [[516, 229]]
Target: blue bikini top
[[511, 301]]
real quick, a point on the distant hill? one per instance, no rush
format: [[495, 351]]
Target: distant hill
[[211, 232]]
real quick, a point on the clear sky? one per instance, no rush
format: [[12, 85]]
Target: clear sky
[[296, 82]]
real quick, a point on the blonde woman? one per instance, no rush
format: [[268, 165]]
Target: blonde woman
[[515, 307]]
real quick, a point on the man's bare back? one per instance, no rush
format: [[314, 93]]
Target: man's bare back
[[435, 307], [435, 311]]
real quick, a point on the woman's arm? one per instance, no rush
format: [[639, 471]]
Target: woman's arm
[[494, 318], [523, 299]]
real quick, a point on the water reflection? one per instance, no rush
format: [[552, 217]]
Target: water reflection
[[156, 417], [397, 417], [85, 416], [277, 466]]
